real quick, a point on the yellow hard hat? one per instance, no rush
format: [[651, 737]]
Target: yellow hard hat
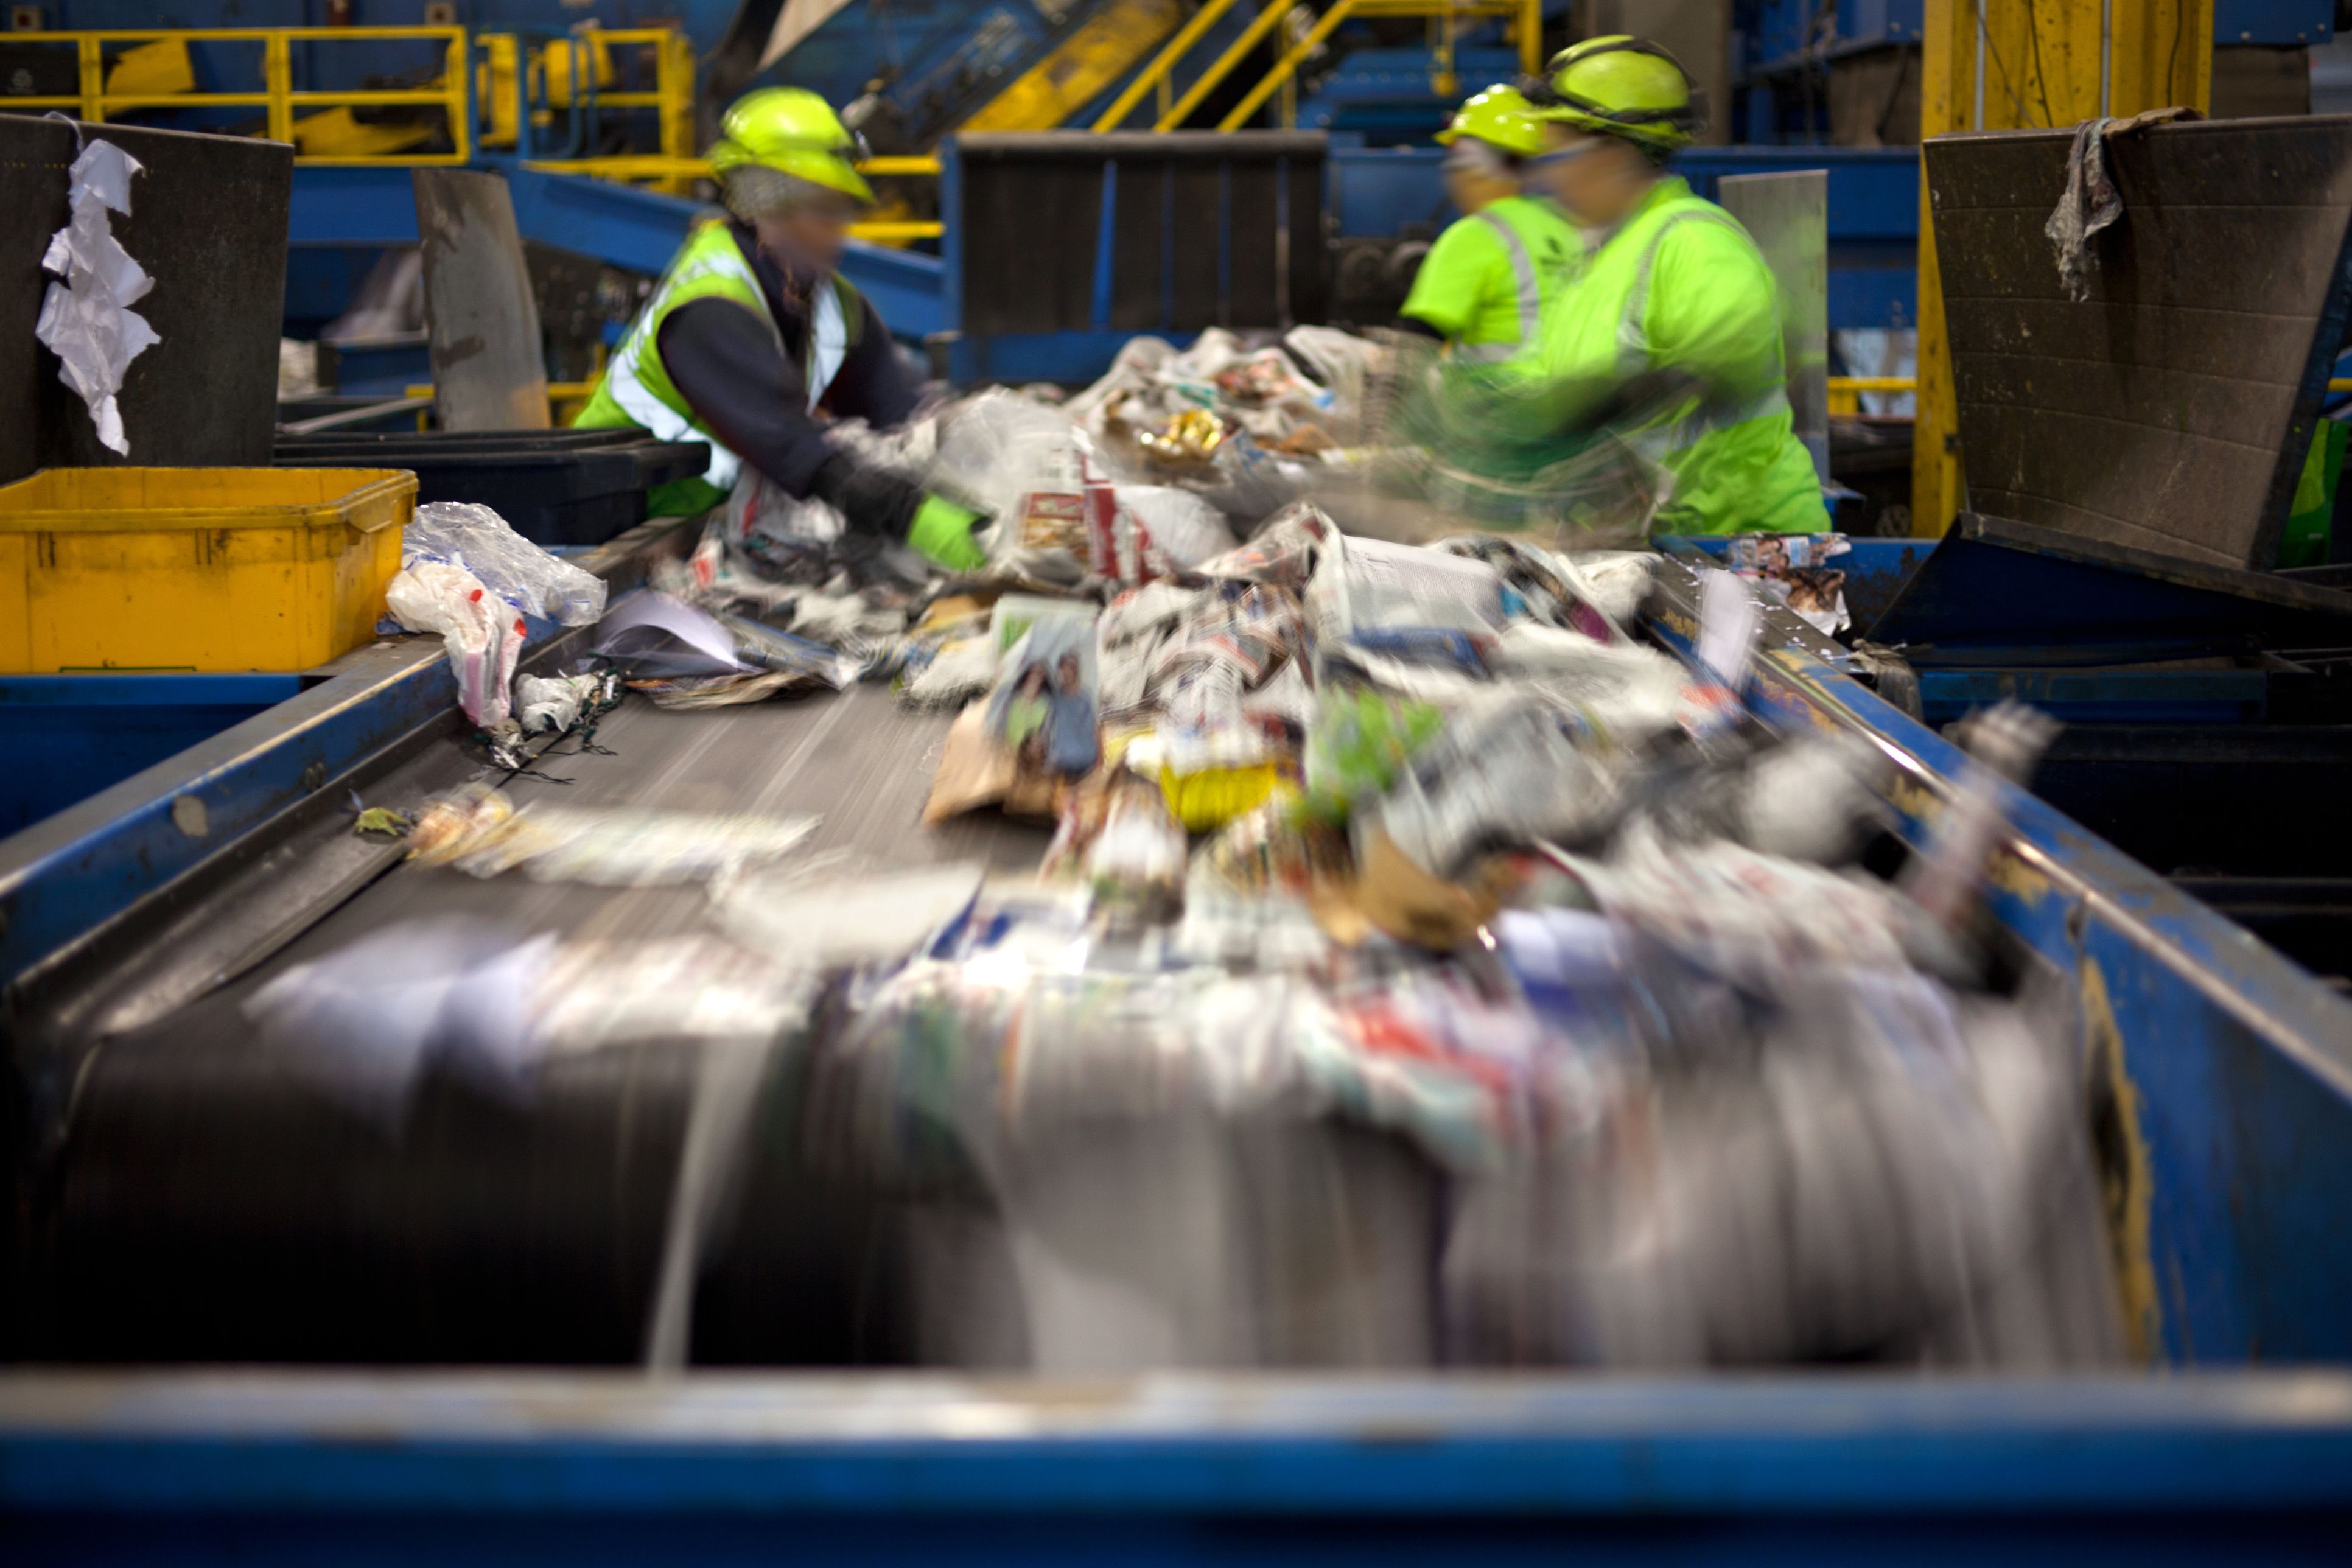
[[1502, 117], [793, 132], [1620, 86]]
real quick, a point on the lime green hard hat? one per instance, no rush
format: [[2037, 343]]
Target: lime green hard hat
[[1620, 86], [1502, 117], [793, 132]]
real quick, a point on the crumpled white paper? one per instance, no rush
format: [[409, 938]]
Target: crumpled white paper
[[87, 321]]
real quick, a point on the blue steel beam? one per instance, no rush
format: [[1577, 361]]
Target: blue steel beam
[[618, 224], [1781, 29], [2148, 1452], [63, 878]]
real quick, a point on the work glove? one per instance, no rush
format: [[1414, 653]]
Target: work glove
[[943, 531], [888, 506]]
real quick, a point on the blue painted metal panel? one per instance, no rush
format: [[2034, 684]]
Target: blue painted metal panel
[[385, 366], [1376, 191], [1781, 30], [1387, 94], [66, 737], [2096, 696], [1845, 1449], [1069, 358], [906, 286], [1874, 192], [623, 227], [361, 205], [2231, 1068], [618, 224], [2282, 23], [63, 876]]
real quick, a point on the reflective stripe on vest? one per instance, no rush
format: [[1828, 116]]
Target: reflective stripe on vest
[[1530, 288], [828, 340], [828, 345], [1659, 441]]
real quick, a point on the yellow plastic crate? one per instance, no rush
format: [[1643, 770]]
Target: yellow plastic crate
[[196, 568]]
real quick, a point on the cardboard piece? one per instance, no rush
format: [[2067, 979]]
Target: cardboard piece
[[974, 770]]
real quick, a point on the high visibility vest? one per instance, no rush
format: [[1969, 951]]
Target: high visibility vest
[[1736, 463], [637, 390], [1456, 283]]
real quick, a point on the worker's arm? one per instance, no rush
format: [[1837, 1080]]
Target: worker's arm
[[1714, 314], [724, 360], [1449, 290]]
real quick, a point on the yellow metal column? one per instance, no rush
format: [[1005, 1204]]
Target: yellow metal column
[[91, 72], [2005, 64], [277, 82]]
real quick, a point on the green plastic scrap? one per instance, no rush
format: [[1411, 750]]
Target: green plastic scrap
[[1356, 749], [383, 819]]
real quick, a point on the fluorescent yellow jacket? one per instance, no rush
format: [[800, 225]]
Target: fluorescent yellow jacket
[[1485, 283], [1681, 286], [637, 391]]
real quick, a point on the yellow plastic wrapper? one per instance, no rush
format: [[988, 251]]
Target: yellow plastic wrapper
[[1208, 799], [1192, 437]]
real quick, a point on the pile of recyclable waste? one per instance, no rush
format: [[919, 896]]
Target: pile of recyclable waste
[[1425, 968]]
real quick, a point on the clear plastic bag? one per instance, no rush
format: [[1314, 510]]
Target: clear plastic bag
[[481, 632], [478, 539]]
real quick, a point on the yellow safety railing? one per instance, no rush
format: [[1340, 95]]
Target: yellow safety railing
[[1845, 390], [567, 71], [1526, 17], [279, 97], [571, 72]]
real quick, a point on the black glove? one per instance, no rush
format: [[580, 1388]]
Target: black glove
[[872, 500]]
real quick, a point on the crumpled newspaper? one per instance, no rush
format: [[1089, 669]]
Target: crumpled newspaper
[[87, 321]]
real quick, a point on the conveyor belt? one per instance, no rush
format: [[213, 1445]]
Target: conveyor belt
[[212, 1206]]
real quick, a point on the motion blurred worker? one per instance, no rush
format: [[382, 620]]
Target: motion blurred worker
[[1483, 285], [753, 327], [1671, 301]]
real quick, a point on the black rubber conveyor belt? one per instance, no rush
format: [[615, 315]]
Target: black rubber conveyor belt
[[209, 1204]]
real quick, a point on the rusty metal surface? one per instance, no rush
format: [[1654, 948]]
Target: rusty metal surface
[[2172, 410]]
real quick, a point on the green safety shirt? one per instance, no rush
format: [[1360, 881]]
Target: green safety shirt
[[1680, 285], [1485, 283], [637, 391]]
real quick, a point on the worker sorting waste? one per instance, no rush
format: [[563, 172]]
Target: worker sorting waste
[[1485, 284], [754, 327], [1673, 304]]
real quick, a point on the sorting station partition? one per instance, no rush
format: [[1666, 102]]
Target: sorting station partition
[[1060, 246]]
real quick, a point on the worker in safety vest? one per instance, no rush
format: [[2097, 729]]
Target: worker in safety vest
[[754, 329], [1483, 285], [1671, 301]]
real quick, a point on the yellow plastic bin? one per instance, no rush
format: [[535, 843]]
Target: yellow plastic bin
[[196, 568]]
